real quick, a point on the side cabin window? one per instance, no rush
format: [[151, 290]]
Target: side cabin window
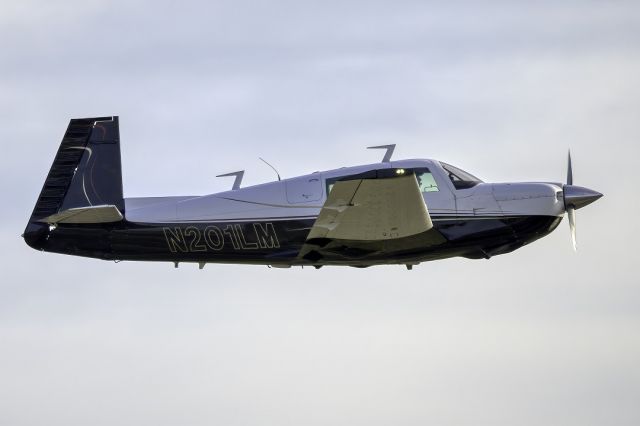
[[425, 179], [426, 182]]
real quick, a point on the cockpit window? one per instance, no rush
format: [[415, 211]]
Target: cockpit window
[[460, 178], [426, 182]]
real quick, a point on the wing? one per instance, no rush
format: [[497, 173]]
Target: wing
[[365, 216]]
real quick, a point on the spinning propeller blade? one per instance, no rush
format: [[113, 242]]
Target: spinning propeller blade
[[571, 213], [569, 170]]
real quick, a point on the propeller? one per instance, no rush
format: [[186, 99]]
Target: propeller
[[575, 197], [571, 210], [571, 214]]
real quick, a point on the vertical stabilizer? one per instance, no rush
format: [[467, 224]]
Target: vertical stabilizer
[[86, 172]]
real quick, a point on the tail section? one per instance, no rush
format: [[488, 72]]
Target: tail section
[[86, 175]]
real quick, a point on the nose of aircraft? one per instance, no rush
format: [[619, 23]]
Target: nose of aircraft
[[578, 197]]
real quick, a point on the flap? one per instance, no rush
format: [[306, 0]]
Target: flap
[[92, 214], [373, 210]]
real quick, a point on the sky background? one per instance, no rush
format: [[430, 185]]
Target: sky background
[[502, 89]]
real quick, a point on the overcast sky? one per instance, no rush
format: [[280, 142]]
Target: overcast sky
[[503, 89]]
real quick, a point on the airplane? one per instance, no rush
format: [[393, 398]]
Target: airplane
[[394, 212]]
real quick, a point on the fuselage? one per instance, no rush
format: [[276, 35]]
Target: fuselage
[[269, 223]]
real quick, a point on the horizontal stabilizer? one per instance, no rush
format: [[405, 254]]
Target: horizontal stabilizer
[[92, 214]]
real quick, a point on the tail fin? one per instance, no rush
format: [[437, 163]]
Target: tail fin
[[86, 172]]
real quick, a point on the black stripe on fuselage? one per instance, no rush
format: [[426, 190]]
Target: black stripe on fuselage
[[276, 241]]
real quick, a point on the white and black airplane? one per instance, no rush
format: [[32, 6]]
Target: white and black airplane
[[394, 212]]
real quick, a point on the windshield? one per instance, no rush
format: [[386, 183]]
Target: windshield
[[460, 178]]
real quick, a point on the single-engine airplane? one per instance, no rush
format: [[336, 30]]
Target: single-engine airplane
[[393, 212]]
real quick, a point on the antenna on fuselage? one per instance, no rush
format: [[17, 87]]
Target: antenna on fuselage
[[388, 154], [236, 183], [274, 169]]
